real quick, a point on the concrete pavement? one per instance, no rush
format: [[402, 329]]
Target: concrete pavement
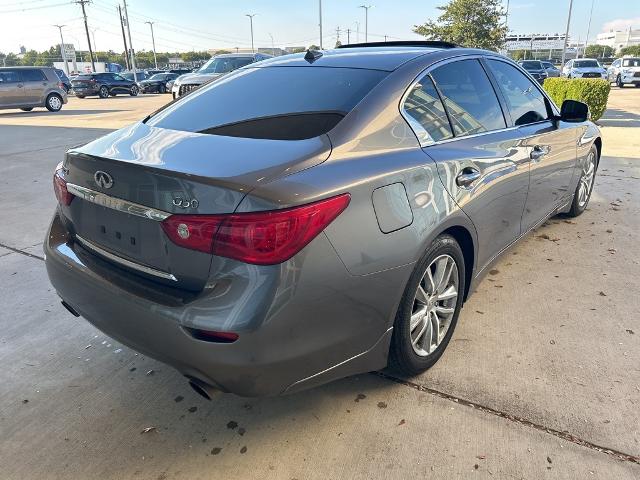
[[542, 375]]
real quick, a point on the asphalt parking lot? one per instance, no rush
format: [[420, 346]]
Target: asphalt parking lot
[[541, 380]]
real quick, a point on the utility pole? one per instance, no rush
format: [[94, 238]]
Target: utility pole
[[320, 20], [124, 38], [153, 41], [566, 34], [93, 36], [251, 15], [273, 49], [348, 36], [337, 34], [62, 50], [357, 32], [82, 3], [586, 42], [366, 22], [133, 53], [506, 17], [385, 38]]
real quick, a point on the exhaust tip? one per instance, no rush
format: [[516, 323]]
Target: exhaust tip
[[70, 309], [201, 388]]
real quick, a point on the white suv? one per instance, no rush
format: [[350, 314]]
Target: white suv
[[625, 71]]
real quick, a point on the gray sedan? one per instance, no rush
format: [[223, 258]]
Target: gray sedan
[[315, 215]]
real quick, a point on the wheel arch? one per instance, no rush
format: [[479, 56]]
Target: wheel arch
[[598, 143], [464, 238]]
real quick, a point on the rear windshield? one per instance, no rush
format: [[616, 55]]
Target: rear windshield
[[586, 64], [224, 64], [284, 103], [83, 77], [532, 65], [631, 62]]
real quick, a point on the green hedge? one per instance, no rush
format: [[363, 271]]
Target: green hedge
[[592, 91]]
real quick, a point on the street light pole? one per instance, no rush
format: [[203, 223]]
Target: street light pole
[[251, 15], [586, 42], [273, 49], [153, 41], [366, 22], [320, 20], [566, 33], [62, 50]]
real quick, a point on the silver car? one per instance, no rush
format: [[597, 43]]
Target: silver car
[[214, 68], [625, 71], [584, 68], [29, 87], [315, 215]]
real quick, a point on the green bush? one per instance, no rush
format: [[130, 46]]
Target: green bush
[[592, 91]]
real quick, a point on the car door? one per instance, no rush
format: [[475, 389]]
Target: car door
[[481, 163], [612, 71], [550, 143], [11, 88], [120, 83], [35, 85]]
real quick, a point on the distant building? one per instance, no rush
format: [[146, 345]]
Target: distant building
[[619, 39], [275, 51], [538, 45]]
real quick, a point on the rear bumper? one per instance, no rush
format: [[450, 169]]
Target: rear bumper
[[85, 91], [300, 324]]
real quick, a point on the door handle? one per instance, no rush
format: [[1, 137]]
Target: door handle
[[538, 152], [467, 176]]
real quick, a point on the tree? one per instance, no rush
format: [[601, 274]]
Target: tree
[[598, 51], [338, 43], [469, 23], [634, 51], [518, 54], [314, 47]]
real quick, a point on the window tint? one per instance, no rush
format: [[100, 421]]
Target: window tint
[[525, 102], [586, 64], [9, 76], [469, 97], [629, 62], [254, 93], [33, 76], [426, 112]]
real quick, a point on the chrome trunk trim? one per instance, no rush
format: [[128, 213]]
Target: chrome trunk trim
[[123, 261], [117, 203]]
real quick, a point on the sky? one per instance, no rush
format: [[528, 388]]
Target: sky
[[182, 25]]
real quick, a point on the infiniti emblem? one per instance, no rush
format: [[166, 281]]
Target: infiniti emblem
[[103, 179]]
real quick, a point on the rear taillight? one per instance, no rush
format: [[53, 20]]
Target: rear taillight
[[60, 188], [261, 238]]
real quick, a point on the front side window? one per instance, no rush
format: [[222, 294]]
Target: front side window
[[469, 97], [426, 114], [630, 62], [525, 102], [33, 76], [9, 76]]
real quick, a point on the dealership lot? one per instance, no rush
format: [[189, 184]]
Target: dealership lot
[[542, 376]]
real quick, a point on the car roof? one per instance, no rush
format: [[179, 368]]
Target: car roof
[[243, 55], [25, 67], [384, 58]]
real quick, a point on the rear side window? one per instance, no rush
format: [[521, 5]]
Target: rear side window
[[426, 114], [33, 76], [525, 102], [469, 97], [9, 76], [285, 103]]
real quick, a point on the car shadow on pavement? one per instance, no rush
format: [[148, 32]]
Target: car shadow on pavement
[[619, 118], [63, 112]]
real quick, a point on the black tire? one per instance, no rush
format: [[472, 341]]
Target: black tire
[[619, 83], [576, 207], [53, 102], [103, 92], [402, 357], [134, 91], [113, 94], [79, 96], [27, 109], [162, 89]]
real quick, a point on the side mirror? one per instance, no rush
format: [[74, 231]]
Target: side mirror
[[574, 111]]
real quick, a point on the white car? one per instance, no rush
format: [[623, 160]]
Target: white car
[[625, 71], [584, 68]]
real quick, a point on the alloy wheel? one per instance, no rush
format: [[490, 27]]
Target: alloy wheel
[[434, 305], [586, 180]]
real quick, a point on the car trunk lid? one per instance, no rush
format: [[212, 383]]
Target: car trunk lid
[[130, 179]]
